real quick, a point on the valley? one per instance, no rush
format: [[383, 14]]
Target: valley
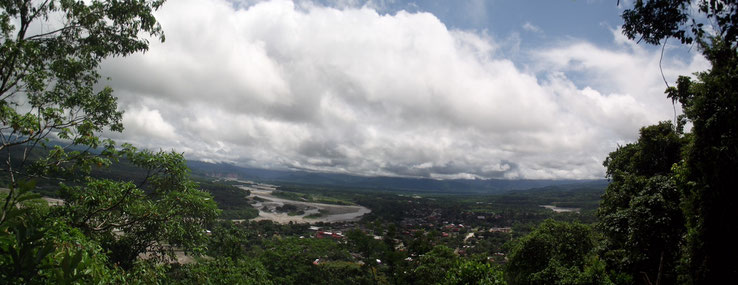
[[303, 212]]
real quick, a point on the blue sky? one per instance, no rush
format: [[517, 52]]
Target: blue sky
[[536, 23], [438, 89], [555, 19]]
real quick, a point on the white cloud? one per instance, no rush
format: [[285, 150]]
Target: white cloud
[[627, 75], [278, 84], [528, 26], [146, 122]]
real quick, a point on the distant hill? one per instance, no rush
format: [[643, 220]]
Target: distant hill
[[393, 184], [459, 186]]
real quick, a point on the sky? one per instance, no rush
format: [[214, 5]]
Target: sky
[[437, 89]]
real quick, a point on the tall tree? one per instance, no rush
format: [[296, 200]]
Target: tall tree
[[707, 175], [640, 212]]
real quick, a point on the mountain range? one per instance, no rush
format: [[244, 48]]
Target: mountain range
[[402, 184]]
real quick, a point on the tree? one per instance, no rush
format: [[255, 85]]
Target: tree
[[369, 248], [221, 271], [228, 240], [163, 212], [291, 260], [640, 212], [344, 272], [50, 51], [38, 249], [556, 253], [49, 54], [433, 265], [655, 20], [707, 174], [473, 272], [48, 77]]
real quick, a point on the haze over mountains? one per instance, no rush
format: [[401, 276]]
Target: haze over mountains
[[426, 185]]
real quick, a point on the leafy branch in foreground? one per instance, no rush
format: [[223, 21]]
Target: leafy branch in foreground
[[166, 211], [48, 74], [50, 52]]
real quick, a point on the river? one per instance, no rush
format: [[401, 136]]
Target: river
[[330, 213]]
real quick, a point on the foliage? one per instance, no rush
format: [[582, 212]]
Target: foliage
[[286, 193], [707, 175], [37, 249], [48, 77], [473, 272], [231, 200], [76, 258], [228, 240], [49, 86], [343, 272], [640, 213], [128, 220], [102, 223], [556, 253], [222, 271], [434, 265], [290, 260], [655, 20], [369, 248]]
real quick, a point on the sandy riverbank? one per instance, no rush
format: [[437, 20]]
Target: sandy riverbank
[[330, 213]]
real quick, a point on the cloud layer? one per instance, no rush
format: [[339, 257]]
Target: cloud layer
[[302, 86]]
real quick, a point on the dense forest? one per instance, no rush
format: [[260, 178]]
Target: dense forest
[[135, 216]]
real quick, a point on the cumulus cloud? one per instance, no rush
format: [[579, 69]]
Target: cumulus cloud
[[279, 84], [146, 122]]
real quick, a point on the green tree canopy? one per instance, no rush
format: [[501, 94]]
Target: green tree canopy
[[221, 271], [556, 253], [706, 176], [164, 212], [434, 265], [640, 212]]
